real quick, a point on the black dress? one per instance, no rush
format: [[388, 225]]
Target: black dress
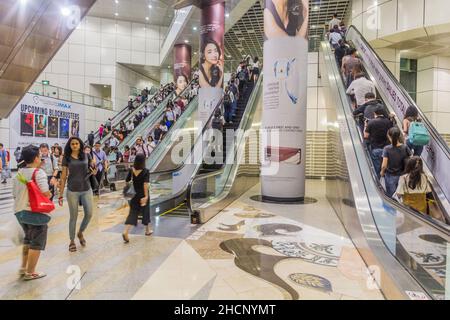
[[135, 203]]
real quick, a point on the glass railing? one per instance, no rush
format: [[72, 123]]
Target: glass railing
[[70, 95], [214, 186]]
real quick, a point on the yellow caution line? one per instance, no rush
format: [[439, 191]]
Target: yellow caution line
[[171, 210]]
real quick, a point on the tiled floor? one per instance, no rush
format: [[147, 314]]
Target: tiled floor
[[251, 250]]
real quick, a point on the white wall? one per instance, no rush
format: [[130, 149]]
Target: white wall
[[433, 90], [316, 113], [92, 52]]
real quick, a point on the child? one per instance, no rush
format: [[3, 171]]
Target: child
[[140, 203], [34, 224]]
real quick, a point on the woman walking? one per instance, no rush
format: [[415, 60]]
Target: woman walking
[[140, 203], [77, 167]]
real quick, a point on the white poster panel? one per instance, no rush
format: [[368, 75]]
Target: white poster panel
[[38, 119], [284, 117]]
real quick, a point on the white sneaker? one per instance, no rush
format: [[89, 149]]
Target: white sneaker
[[33, 276]]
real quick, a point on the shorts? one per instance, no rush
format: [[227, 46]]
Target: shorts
[[35, 236], [256, 71]]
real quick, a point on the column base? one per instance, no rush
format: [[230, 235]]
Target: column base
[[277, 200]]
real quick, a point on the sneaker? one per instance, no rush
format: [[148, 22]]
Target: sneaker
[[33, 276]]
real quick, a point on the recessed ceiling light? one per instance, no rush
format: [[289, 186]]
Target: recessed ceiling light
[[65, 11], [186, 41], [150, 6], [147, 18], [195, 52], [227, 15], [194, 28], [116, 14], [117, 1]]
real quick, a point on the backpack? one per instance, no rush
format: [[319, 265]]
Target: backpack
[[242, 75], [227, 99], [418, 134], [217, 123]]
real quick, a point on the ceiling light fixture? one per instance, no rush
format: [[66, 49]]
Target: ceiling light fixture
[[116, 14], [147, 18], [117, 1], [194, 28], [186, 41], [227, 15], [65, 11], [150, 6]]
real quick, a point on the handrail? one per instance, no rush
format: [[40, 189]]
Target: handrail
[[154, 116], [444, 228], [429, 125], [367, 209], [200, 136], [243, 124]]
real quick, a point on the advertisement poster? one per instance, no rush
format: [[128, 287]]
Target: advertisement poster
[[212, 31], [40, 122], [53, 127], [45, 120], [284, 100], [26, 124], [182, 66]]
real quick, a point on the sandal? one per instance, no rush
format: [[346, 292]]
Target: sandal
[[33, 276], [81, 238], [72, 247], [22, 271], [125, 238]]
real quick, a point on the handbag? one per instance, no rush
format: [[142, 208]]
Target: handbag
[[38, 202], [128, 191]]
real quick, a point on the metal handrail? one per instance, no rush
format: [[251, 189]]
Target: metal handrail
[[243, 124]]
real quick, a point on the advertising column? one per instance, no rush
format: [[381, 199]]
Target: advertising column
[[284, 102], [182, 66], [212, 32]]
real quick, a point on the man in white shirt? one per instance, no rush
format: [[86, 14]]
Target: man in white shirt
[[335, 37], [360, 87], [334, 22]]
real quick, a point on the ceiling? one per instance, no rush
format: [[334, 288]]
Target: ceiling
[[246, 36], [161, 12]]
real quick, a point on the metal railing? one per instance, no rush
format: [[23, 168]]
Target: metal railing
[[50, 91]]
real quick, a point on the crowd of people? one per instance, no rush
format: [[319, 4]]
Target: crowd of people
[[395, 151]]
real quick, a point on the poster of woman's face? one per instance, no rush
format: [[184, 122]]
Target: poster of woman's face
[[211, 64], [181, 83], [40, 126], [75, 128], [286, 18]]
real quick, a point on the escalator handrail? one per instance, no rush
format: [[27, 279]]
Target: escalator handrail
[[348, 121], [430, 127], [396, 205], [117, 115], [126, 118], [200, 136], [157, 116], [243, 124]]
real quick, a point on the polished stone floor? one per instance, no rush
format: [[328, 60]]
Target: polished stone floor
[[251, 250]]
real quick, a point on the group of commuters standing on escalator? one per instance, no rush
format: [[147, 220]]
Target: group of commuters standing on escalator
[[395, 150]]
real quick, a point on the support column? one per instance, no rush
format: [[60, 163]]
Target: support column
[[212, 32], [284, 101], [182, 66]]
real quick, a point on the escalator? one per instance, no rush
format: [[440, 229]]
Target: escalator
[[405, 251], [169, 186], [31, 34], [124, 115]]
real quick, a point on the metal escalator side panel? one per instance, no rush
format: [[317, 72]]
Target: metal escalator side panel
[[369, 221], [436, 155]]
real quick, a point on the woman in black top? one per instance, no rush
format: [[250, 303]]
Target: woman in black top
[[140, 203]]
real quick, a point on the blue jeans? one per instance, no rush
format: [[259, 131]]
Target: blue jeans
[[87, 201], [417, 149], [377, 159], [234, 107], [391, 184]]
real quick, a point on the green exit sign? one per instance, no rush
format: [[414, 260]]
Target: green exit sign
[[45, 82]]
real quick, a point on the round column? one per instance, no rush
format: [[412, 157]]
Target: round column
[[284, 101], [182, 66], [212, 32]]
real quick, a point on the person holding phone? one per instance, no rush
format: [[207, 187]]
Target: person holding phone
[[77, 167]]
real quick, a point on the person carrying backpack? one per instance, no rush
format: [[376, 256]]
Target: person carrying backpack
[[228, 100], [416, 135]]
